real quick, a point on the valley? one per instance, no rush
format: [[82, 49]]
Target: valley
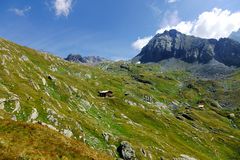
[[156, 112]]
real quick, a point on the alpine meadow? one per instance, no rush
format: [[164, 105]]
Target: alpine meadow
[[76, 83]]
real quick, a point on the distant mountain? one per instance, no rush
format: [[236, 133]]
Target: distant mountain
[[235, 36], [88, 59], [173, 44]]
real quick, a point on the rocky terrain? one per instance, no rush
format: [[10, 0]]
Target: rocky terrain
[[173, 44], [87, 59], [212, 70], [50, 108]]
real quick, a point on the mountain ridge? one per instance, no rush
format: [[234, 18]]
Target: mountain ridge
[[190, 49], [85, 59]]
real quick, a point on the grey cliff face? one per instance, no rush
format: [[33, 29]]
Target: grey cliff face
[[228, 52], [173, 44], [88, 59], [75, 58]]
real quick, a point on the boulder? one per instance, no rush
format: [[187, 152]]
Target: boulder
[[148, 99], [14, 118], [24, 58], [50, 77], [130, 102], [53, 68], [184, 157], [106, 136], [67, 133], [34, 115], [2, 101], [44, 82], [231, 116], [126, 151]]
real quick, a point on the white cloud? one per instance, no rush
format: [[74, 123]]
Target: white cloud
[[20, 12], [155, 8], [62, 7], [170, 18], [216, 23], [141, 42], [171, 1], [183, 27]]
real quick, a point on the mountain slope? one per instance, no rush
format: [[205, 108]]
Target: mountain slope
[[152, 114], [173, 44], [212, 70], [20, 140]]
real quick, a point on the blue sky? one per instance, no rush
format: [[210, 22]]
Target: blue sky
[[109, 28]]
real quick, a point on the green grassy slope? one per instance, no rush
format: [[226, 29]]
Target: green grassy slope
[[19, 140], [147, 109]]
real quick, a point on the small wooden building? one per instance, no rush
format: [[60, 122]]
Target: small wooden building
[[201, 104], [105, 93]]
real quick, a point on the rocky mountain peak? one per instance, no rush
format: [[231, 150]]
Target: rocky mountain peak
[[171, 33], [75, 58], [87, 59], [174, 44]]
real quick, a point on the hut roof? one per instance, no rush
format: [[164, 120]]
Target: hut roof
[[106, 91]]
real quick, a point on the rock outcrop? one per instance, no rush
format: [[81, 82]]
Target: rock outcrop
[[126, 152], [184, 157], [227, 51]]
